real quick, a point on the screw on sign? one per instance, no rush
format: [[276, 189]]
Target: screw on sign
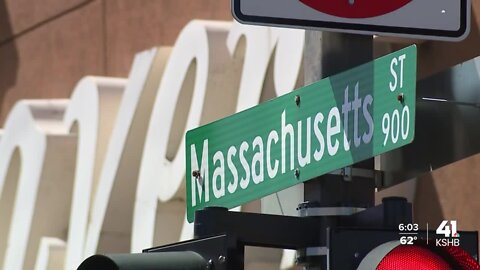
[[356, 9]]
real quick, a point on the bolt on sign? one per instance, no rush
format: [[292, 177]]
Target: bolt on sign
[[322, 127], [425, 19]]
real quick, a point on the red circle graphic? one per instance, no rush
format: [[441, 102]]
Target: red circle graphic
[[356, 9]]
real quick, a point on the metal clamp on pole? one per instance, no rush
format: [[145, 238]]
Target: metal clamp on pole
[[328, 211], [349, 172], [319, 255]]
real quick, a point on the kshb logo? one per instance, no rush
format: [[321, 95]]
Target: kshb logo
[[447, 229]]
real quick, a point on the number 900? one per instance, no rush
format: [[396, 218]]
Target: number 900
[[394, 125]]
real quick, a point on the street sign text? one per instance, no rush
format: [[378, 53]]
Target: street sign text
[[311, 131]]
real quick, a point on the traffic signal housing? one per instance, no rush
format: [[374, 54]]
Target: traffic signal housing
[[185, 260], [368, 240]]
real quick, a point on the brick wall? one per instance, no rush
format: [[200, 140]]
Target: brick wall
[[46, 46]]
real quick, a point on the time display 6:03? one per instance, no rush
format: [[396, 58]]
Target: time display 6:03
[[408, 227]]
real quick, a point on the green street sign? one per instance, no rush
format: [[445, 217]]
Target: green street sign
[[319, 128]]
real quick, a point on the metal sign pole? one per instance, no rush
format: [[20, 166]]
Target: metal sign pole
[[349, 189]]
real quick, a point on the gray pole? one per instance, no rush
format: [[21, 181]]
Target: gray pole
[[327, 54]]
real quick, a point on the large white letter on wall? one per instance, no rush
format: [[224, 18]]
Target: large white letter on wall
[[199, 85], [93, 126], [111, 217], [105, 172], [36, 142]]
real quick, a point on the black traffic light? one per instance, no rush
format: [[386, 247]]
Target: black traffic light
[[185, 260]]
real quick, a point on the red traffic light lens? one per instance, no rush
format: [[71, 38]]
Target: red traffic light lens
[[463, 259], [414, 257]]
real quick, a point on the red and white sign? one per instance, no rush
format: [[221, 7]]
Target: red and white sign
[[356, 9], [425, 19]]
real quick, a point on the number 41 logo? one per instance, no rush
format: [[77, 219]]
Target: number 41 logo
[[448, 230]]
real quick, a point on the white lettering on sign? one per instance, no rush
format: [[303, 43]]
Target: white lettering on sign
[[201, 180], [394, 70], [397, 123], [77, 171], [252, 171]]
